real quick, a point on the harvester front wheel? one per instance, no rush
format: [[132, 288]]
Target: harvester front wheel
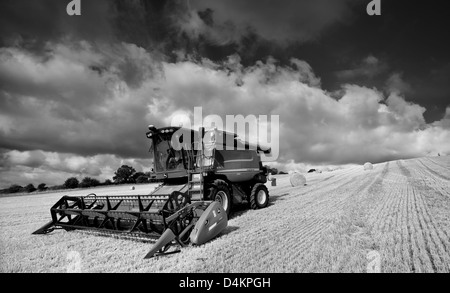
[[259, 197], [221, 193]]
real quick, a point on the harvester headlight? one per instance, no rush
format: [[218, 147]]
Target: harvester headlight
[[149, 134]]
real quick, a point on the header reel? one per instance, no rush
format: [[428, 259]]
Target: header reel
[[172, 218]]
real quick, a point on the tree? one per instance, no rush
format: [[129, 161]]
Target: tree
[[107, 182], [15, 188], [56, 187], [143, 179], [124, 175], [137, 175], [89, 182], [42, 187], [30, 188], [71, 183]]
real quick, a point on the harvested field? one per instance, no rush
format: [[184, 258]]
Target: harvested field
[[400, 209]]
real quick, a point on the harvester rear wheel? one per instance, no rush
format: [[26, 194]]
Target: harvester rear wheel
[[221, 193], [259, 197]]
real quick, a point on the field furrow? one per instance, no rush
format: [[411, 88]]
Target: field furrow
[[435, 172], [443, 162]]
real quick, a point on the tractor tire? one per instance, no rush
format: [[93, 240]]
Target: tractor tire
[[259, 196], [221, 193]]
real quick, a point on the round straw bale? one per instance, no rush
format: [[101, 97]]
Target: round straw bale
[[297, 179], [368, 166]]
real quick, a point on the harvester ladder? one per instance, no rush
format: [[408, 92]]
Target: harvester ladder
[[195, 185], [195, 172]]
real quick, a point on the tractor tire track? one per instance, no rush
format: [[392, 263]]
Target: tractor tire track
[[412, 218], [427, 232], [422, 185], [394, 205], [440, 175], [445, 166], [433, 231]]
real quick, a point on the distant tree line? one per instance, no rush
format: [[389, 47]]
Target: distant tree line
[[123, 175], [274, 171]]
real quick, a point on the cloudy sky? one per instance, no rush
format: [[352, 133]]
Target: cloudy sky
[[77, 92]]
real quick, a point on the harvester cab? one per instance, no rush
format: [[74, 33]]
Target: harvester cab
[[211, 165], [202, 173]]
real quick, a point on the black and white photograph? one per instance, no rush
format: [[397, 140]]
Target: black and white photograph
[[208, 137]]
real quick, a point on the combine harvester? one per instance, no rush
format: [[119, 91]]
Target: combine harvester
[[200, 183]]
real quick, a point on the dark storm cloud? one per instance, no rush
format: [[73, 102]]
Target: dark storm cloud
[[32, 23], [432, 89], [163, 27], [367, 68], [149, 24], [280, 21], [211, 29], [408, 37]]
